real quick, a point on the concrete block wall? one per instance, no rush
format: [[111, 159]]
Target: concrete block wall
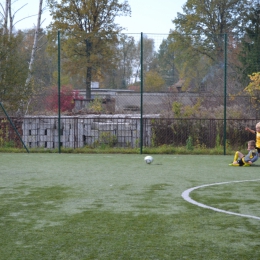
[[42, 131]]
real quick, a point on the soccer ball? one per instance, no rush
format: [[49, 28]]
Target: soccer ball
[[148, 159]]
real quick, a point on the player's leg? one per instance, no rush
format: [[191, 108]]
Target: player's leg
[[238, 155]]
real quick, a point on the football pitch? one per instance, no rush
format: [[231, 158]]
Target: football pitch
[[115, 206]]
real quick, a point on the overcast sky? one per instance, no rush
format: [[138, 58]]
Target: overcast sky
[[148, 16]]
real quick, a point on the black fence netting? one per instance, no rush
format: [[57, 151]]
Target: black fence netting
[[106, 131], [109, 89]]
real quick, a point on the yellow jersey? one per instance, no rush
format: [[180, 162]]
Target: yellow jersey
[[257, 139]]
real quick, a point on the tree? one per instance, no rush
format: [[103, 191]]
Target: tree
[[166, 57], [24, 91], [206, 21], [43, 71], [254, 85], [250, 49], [149, 53], [149, 57], [125, 55], [7, 16], [253, 89], [13, 71], [153, 81], [88, 34], [35, 44], [199, 39], [4, 15], [33, 53]]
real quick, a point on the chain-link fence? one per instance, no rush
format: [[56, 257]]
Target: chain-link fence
[[124, 132], [127, 90]]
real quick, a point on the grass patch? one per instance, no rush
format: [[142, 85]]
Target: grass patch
[[164, 149]]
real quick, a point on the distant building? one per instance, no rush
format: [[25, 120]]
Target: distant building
[[94, 85]]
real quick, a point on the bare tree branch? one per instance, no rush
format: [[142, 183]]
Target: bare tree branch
[[24, 19], [35, 42]]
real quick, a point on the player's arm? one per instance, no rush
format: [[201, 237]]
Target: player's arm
[[251, 157], [250, 130], [255, 158]]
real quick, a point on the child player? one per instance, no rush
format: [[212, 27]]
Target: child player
[[242, 160], [257, 133]]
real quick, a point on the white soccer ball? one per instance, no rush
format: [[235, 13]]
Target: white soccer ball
[[148, 159]]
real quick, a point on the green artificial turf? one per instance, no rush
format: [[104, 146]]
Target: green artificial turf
[[101, 206]]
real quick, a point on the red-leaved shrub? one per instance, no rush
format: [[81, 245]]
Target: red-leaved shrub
[[67, 96]]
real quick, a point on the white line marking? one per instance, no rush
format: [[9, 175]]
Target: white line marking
[[186, 196]]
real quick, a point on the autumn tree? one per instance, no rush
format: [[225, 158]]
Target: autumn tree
[[206, 21], [250, 47], [253, 89], [254, 86], [199, 36], [88, 35], [153, 81]]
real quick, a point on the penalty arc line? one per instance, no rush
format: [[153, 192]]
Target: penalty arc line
[[186, 196]]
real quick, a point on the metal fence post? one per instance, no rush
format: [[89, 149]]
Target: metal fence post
[[225, 93], [59, 124], [141, 92]]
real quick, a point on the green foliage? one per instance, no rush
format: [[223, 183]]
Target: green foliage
[[166, 62], [106, 139], [176, 108], [7, 144], [15, 52], [198, 42], [253, 89], [189, 144], [13, 74], [199, 134], [250, 51], [153, 137], [208, 22], [218, 144], [153, 82], [4, 135], [95, 106], [187, 111], [249, 56]]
